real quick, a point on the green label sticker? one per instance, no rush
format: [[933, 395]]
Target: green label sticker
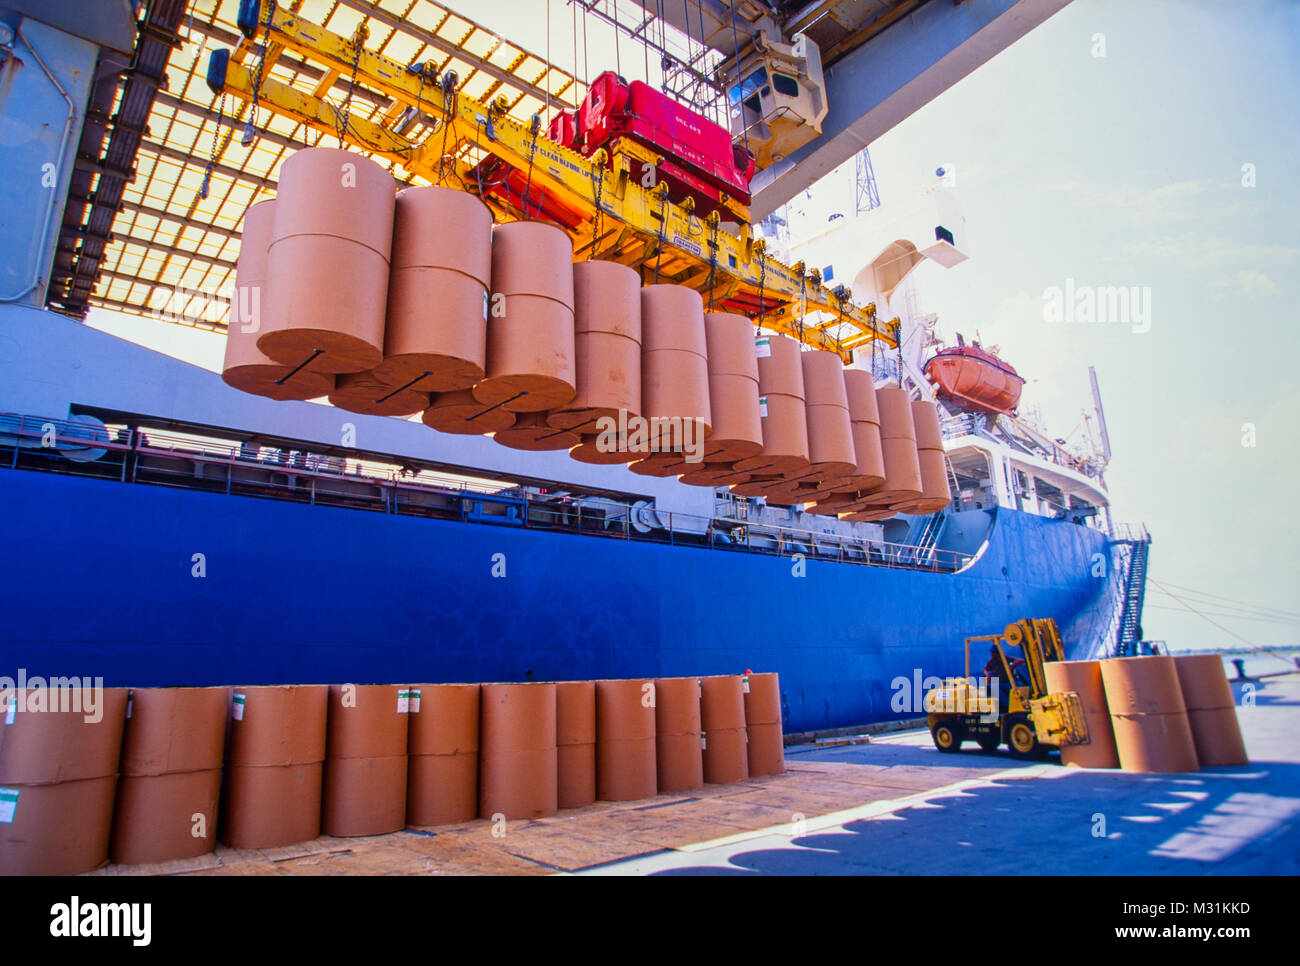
[[237, 709], [8, 805]]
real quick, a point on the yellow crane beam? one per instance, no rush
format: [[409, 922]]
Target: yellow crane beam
[[619, 219]]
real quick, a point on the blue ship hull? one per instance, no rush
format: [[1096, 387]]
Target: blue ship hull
[[98, 581]]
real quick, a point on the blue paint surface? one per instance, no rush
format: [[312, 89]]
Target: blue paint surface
[[96, 580]]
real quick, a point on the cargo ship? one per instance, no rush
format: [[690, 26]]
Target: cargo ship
[[165, 528]]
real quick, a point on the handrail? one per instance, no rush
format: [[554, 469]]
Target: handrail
[[687, 529]]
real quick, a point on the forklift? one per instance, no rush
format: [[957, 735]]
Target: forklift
[[1023, 714]]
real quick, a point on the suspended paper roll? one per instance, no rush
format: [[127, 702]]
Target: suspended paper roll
[[328, 262], [246, 367], [460, 413], [733, 388], [436, 334], [364, 393], [607, 326], [532, 432], [531, 363], [674, 362], [925, 420]]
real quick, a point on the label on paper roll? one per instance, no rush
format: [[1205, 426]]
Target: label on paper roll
[[762, 406], [744, 684], [485, 306], [408, 700], [8, 804], [763, 347], [237, 707], [704, 741], [415, 700]]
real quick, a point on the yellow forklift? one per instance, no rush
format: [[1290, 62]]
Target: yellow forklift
[[1021, 713]]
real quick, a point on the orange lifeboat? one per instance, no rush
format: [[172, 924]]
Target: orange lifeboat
[[975, 380]]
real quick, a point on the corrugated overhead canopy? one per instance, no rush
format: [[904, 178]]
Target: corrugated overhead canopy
[[173, 251]]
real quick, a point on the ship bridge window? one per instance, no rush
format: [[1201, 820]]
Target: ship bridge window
[[785, 85], [746, 91]]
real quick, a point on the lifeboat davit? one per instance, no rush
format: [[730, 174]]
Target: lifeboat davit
[[975, 380]]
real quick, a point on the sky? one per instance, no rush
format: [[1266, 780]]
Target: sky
[[1106, 148]]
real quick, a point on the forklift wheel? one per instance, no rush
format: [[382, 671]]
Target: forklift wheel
[[1022, 739], [989, 743], [947, 736]]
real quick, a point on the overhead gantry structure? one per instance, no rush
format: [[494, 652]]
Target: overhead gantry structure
[[610, 214]]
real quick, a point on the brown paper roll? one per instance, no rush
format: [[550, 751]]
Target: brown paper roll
[[364, 796], [534, 259], [1203, 682], [442, 789], [1154, 742], [1084, 678], [766, 750], [445, 721], [175, 730], [278, 725], [462, 414], [154, 818], [50, 741], [625, 740], [1142, 685], [517, 756], [726, 756], [435, 337], [1216, 734], [366, 721], [531, 355], [266, 806], [365, 393], [58, 829], [245, 366]]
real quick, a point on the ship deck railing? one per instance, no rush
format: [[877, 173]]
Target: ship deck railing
[[192, 462]]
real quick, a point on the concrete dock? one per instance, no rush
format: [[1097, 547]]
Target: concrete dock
[[892, 806]]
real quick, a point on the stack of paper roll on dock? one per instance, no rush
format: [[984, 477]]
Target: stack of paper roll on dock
[[1148, 715], [396, 303], [58, 779], [517, 751], [275, 757], [1211, 710], [349, 760], [722, 714], [625, 740], [765, 745], [443, 750], [170, 784], [365, 760], [678, 741], [575, 743]]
